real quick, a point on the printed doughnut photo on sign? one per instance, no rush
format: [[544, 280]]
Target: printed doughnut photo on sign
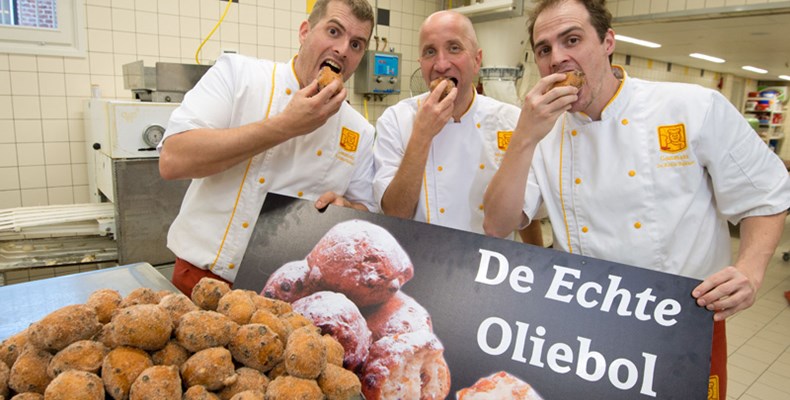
[[349, 286]]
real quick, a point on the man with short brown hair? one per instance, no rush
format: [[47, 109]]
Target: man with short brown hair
[[637, 172], [254, 126]]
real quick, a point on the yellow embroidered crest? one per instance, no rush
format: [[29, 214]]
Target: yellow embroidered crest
[[672, 138], [713, 387], [349, 140], [503, 139]]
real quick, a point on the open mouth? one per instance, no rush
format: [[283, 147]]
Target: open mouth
[[332, 65], [453, 80]]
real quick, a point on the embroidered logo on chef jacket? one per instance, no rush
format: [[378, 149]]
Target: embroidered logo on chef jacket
[[672, 138], [503, 139], [349, 140], [713, 387]]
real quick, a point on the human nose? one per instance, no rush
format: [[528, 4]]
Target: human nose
[[558, 58], [342, 47], [442, 62]]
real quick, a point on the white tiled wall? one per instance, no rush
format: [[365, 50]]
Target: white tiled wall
[[42, 139]]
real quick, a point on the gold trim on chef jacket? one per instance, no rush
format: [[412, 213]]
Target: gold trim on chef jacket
[[425, 190], [425, 174], [562, 147], [293, 69], [243, 179], [562, 200]]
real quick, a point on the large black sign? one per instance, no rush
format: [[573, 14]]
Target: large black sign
[[570, 326]]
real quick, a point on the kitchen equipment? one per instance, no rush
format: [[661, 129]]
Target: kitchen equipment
[[378, 73], [417, 83], [166, 82], [500, 83], [123, 168], [127, 129]]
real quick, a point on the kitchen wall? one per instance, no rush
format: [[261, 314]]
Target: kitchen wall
[[42, 139]]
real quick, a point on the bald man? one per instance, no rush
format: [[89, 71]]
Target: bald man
[[435, 155]]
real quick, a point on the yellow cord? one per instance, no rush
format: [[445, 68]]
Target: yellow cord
[[224, 13], [365, 106]]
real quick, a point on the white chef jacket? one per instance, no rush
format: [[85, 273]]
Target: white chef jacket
[[461, 161], [219, 212], [654, 182]]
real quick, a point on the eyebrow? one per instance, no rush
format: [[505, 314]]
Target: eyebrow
[[446, 43], [562, 34], [343, 27]]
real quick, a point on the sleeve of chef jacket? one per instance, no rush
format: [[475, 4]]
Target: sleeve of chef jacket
[[387, 152], [360, 189], [210, 103], [748, 178]]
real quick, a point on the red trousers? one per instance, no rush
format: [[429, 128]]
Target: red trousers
[[186, 276], [717, 386]]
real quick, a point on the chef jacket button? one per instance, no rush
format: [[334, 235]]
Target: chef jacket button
[[585, 229], [478, 125], [300, 194], [319, 152], [631, 173], [245, 225], [480, 207], [441, 211], [574, 133], [624, 121], [578, 180], [262, 181], [482, 166], [288, 91], [231, 266], [440, 168], [638, 225]]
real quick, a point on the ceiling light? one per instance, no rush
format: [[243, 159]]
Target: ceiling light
[[755, 69], [707, 57], [485, 7], [637, 41], [785, 77]]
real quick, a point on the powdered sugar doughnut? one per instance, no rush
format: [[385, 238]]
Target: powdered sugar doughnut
[[291, 282], [400, 314], [500, 385], [337, 316], [362, 261], [408, 366]]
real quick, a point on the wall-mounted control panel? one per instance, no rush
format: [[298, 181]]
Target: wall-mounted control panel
[[378, 73]]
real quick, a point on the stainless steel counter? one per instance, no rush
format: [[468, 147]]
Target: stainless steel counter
[[25, 303]]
